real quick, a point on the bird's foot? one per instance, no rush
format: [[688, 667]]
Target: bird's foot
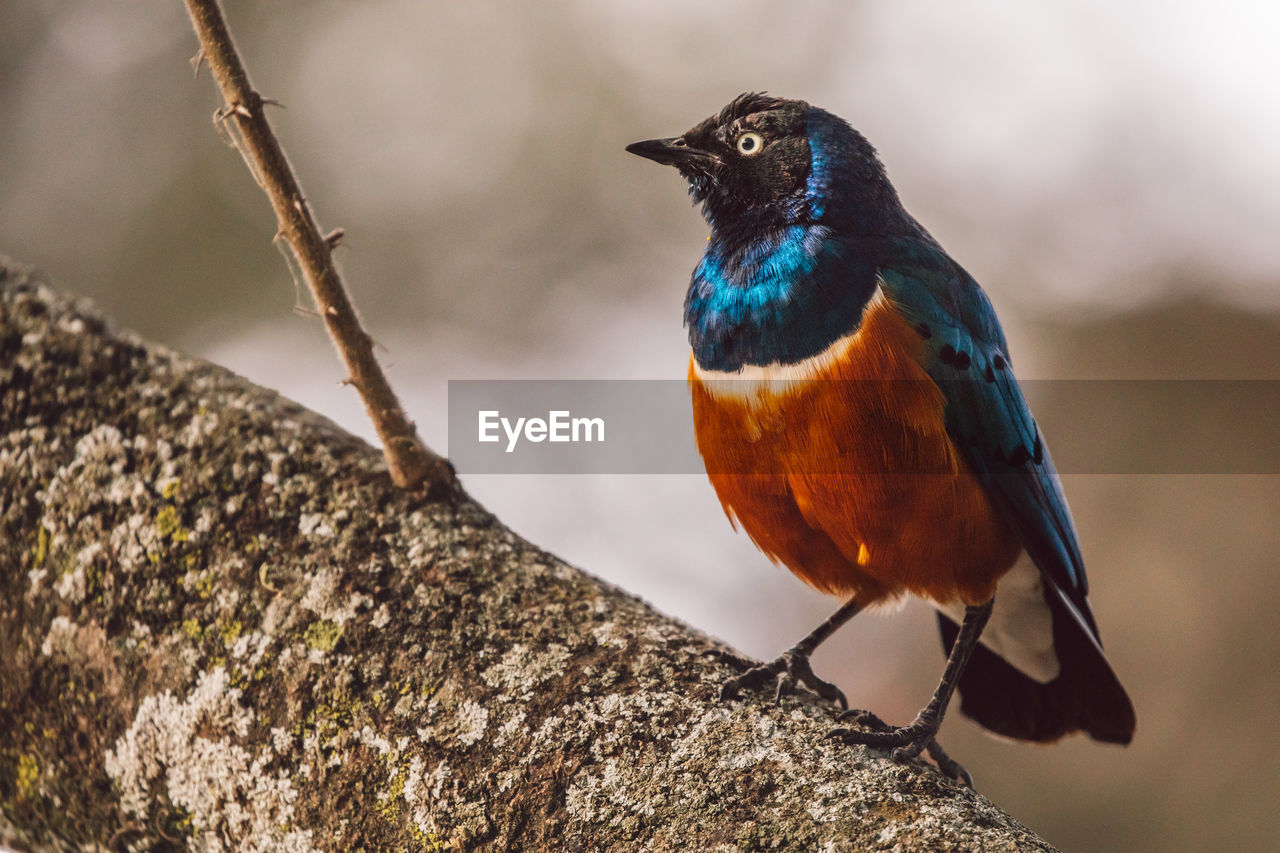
[[787, 670], [907, 742]]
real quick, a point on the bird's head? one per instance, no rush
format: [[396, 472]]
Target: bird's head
[[767, 162]]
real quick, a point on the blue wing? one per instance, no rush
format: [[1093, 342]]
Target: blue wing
[[987, 416]]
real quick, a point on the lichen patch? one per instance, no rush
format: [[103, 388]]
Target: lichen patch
[[188, 748]]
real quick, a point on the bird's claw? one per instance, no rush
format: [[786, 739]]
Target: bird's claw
[[950, 768], [789, 669], [906, 742]]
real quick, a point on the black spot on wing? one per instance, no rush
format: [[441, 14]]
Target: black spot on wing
[[958, 359]]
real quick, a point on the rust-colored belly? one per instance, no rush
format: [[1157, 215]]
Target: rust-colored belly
[[854, 485]]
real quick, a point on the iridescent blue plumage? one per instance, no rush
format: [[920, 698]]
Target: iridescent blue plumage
[[780, 299]]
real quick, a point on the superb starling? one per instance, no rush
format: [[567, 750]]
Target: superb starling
[[856, 408]]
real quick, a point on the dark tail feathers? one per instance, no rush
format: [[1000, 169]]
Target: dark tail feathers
[[1086, 696]]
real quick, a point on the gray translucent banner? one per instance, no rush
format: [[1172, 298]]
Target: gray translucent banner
[[646, 427]]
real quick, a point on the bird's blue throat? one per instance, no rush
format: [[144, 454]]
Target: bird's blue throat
[[783, 293]]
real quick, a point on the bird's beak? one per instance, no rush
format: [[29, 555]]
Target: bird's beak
[[674, 152]]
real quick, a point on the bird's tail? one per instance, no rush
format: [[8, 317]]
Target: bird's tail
[[1085, 696]]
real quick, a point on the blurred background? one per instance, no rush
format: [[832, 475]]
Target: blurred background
[[1107, 170]]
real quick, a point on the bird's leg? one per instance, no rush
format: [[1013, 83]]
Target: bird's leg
[[910, 740], [793, 664]]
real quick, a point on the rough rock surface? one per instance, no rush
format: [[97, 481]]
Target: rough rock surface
[[221, 627]]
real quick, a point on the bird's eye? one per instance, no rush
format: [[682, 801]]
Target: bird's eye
[[750, 143]]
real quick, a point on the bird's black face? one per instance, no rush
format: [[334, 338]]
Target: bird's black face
[[752, 157]]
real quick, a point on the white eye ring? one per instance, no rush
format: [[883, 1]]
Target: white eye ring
[[750, 143]]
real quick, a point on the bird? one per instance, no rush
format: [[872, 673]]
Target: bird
[[856, 409]]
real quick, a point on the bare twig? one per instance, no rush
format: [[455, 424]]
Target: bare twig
[[412, 464]]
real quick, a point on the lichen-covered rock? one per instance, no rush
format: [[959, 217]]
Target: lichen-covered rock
[[221, 627]]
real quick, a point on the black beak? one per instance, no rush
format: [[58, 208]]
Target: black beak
[[674, 152]]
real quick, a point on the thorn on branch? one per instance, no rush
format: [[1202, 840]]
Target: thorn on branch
[[334, 238], [196, 62]]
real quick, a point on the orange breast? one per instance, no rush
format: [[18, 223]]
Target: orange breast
[[842, 470]]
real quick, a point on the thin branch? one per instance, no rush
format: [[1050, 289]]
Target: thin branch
[[412, 464]]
